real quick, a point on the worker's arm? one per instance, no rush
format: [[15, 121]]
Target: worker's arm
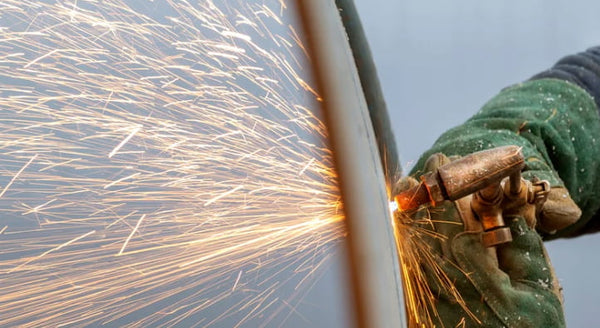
[[554, 117]]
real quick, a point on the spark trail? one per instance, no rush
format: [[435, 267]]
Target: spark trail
[[153, 155]]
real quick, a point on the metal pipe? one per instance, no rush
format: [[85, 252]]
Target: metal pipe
[[386, 142], [374, 258]]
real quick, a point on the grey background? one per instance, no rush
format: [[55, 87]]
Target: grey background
[[440, 61]]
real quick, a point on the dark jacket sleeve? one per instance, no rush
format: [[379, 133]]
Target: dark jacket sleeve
[[554, 118], [582, 69]]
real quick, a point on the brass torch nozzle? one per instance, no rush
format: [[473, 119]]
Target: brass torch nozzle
[[480, 174], [463, 176]]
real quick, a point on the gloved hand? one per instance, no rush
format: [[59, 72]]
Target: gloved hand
[[513, 287], [557, 125]]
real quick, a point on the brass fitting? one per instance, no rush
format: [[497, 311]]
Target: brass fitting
[[487, 204], [511, 197], [528, 201], [462, 177]]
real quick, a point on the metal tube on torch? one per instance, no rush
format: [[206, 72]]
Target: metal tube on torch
[[464, 176]]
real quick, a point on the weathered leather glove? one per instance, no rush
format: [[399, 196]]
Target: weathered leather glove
[[512, 287], [559, 211]]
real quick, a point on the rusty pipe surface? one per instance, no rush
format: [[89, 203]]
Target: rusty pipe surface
[[463, 176]]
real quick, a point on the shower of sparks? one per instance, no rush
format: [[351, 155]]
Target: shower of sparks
[[421, 267], [162, 163]]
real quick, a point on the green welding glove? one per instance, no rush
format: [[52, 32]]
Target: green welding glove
[[473, 286], [557, 126]]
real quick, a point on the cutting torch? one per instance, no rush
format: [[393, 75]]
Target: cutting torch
[[493, 178]]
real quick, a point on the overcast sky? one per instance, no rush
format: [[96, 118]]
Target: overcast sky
[[440, 61]]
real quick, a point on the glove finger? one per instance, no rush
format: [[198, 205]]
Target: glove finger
[[434, 162], [481, 267], [446, 223], [403, 184], [454, 300], [506, 293], [558, 212], [432, 227], [525, 257]]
